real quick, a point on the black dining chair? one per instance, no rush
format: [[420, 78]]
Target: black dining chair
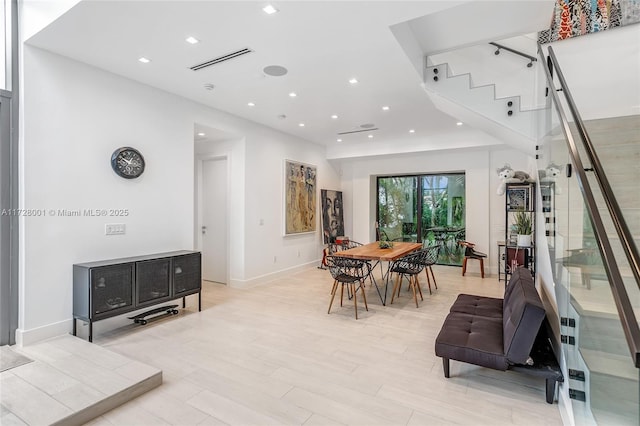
[[348, 272], [430, 259], [409, 266]]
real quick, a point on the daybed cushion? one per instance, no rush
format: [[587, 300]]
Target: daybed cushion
[[473, 339], [522, 316], [477, 305], [482, 305]]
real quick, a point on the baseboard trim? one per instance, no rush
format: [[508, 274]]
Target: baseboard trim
[[263, 279], [36, 335]]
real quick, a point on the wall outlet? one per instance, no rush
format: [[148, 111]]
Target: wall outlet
[[115, 229], [275, 259]]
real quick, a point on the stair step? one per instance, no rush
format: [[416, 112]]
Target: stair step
[[72, 382], [614, 365]]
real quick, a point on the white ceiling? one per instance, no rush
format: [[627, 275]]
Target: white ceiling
[[322, 44]]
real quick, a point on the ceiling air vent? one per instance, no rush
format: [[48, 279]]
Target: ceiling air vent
[[221, 59], [358, 131]]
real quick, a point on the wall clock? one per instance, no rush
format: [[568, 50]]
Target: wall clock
[[127, 162]]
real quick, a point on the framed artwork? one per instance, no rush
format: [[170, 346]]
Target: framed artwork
[[518, 198], [300, 197], [572, 18], [332, 217]]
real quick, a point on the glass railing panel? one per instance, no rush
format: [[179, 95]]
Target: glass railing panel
[[501, 88], [460, 89], [609, 393]]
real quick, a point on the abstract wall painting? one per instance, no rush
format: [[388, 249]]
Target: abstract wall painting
[[572, 18], [332, 216], [300, 197]]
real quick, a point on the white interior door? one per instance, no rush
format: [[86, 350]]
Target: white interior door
[[214, 220]]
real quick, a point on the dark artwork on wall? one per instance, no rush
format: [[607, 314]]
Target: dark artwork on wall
[[332, 217], [573, 18]]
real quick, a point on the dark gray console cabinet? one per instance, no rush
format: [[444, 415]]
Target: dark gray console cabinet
[[108, 288]]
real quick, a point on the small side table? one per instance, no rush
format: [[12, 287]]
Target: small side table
[[522, 255]]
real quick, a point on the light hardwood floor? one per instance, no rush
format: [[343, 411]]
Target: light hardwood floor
[[271, 355]]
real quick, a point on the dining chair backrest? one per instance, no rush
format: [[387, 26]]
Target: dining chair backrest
[[344, 245], [344, 267], [411, 263], [431, 256], [352, 244]]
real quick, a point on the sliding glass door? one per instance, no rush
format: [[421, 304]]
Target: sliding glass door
[[424, 208], [443, 215], [398, 208]]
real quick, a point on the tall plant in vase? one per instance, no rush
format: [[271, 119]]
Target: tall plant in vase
[[522, 224]]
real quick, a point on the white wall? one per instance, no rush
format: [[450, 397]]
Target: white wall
[[75, 116], [265, 202], [484, 208], [602, 71], [37, 14]]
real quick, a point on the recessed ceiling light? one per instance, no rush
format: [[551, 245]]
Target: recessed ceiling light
[[353, 81], [412, 131], [385, 108], [334, 116], [144, 60], [301, 124], [459, 123], [251, 104], [192, 40], [339, 140], [201, 134], [293, 94], [269, 9], [370, 136]]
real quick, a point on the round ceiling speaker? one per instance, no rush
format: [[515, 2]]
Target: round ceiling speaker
[[275, 70]]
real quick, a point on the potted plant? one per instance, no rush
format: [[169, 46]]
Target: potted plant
[[522, 226]]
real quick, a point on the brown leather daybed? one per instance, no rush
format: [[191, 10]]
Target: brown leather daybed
[[502, 334]]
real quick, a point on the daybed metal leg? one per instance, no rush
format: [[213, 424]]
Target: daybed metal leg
[[551, 390], [445, 367]]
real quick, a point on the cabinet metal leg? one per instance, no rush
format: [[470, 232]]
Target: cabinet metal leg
[[75, 327], [90, 331]]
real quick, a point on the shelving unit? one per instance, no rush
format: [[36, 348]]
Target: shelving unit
[[519, 198]]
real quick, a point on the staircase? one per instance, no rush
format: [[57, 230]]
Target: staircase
[[603, 382], [600, 351], [505, 117], [456, 95]]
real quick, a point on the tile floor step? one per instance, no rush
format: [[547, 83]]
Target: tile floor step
[[71, 382]]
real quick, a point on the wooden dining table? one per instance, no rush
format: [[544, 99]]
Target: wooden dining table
[[373, 252]]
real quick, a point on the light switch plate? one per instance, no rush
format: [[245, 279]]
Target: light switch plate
[[115, 229]]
